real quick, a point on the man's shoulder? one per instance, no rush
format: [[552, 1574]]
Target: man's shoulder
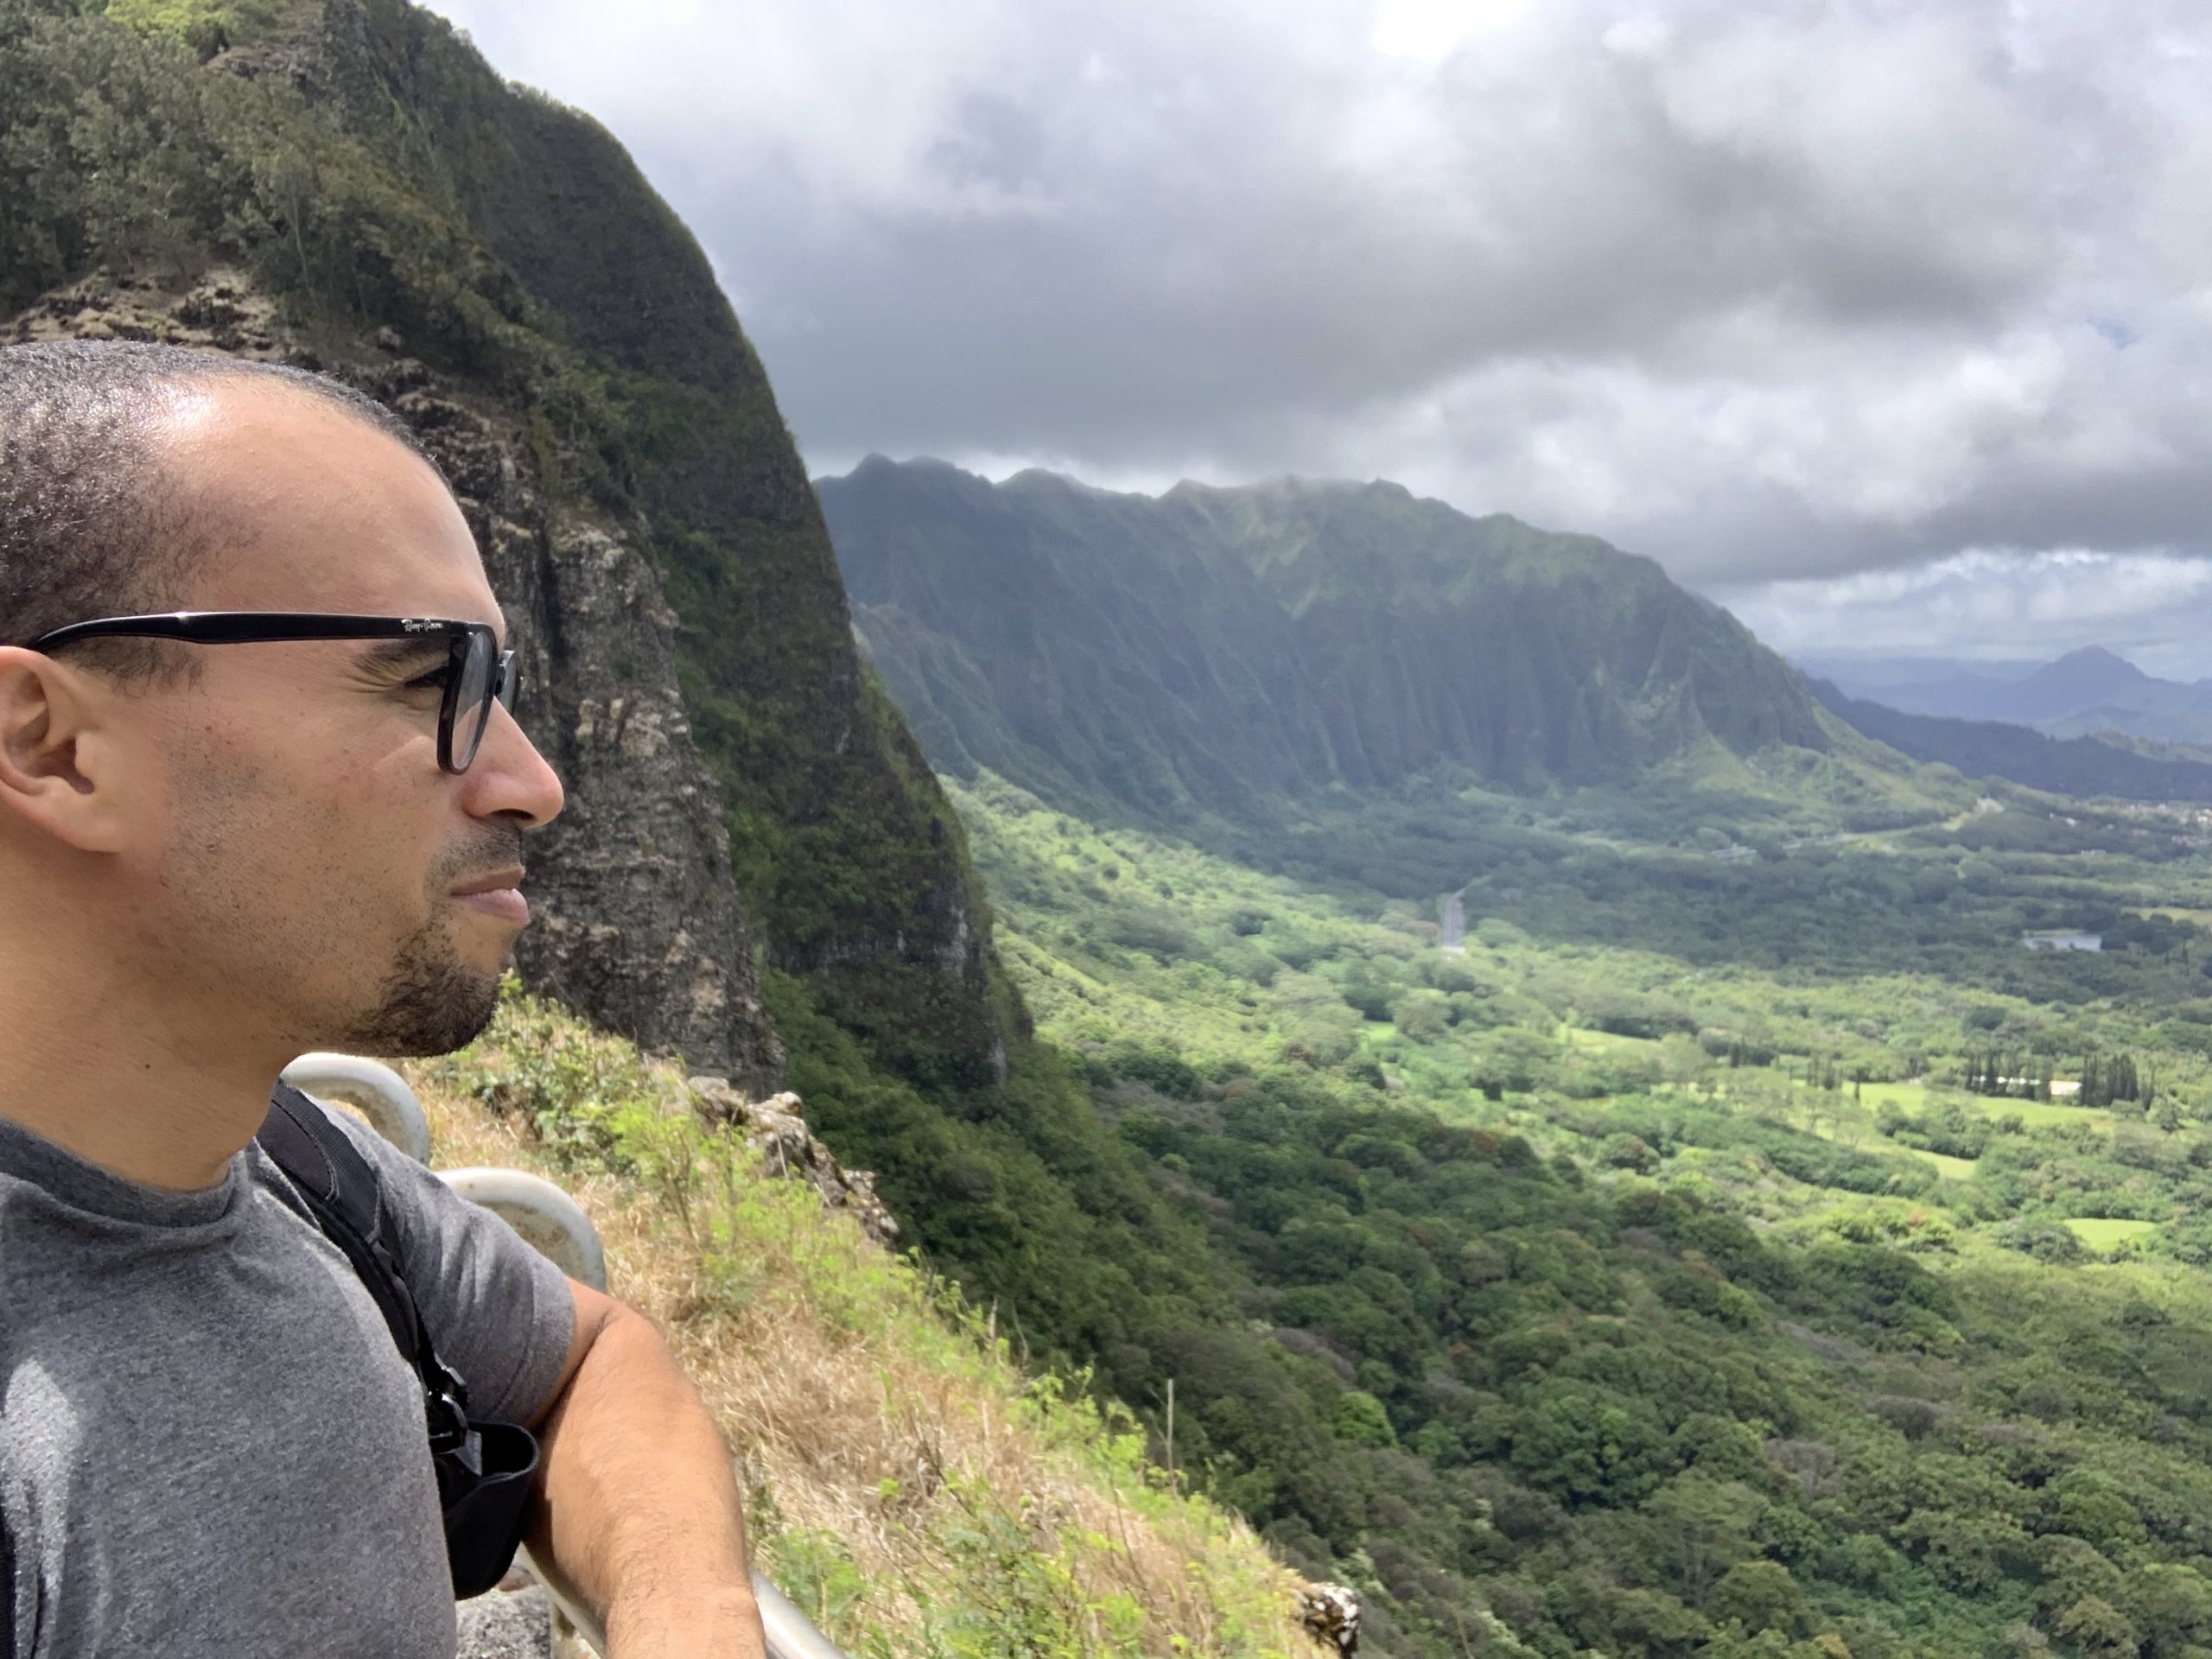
[[498, 1310]]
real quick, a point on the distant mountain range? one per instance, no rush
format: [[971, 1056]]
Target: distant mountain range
[[1988, 748], [1210, 649], [2079, 694]]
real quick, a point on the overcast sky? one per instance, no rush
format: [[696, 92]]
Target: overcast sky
[[1889, 324]]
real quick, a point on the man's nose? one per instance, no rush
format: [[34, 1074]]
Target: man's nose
[[510, 776]]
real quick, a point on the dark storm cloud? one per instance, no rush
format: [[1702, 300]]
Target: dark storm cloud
[[1768, 290]]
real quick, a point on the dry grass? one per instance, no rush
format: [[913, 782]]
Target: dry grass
[[911, 1487]]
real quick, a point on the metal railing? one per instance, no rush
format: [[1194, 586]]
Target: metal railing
[[556, 1225], [791, 1634], [376, 1092]]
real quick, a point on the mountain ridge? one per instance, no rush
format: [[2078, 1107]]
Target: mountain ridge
[[2081, 765], [1213, 648], [2079, 694]]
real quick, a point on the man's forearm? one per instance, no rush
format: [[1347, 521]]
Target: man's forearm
[[640, 1516]]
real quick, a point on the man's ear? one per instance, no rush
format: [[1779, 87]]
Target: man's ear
[[59, 768]]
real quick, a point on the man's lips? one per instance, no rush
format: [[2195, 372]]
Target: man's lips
[[498, 894]]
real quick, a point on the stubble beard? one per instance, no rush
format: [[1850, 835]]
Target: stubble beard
[[432, 1002]]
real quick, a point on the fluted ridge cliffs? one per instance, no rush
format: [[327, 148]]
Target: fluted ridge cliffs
[[1209, 649]]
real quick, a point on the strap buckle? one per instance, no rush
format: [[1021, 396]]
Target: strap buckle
[[445, 1406]]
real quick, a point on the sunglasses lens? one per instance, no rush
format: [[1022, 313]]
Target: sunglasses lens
[[471, 707]]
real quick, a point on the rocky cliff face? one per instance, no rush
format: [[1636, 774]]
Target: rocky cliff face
[[346, 183], [843, 846]]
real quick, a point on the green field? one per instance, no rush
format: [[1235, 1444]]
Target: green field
[[1958, 1169], [1605, 1042], [2043, 1114], [1905, 1096], [2104, 1232]]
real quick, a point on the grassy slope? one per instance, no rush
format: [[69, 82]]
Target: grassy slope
[[911, 1486]]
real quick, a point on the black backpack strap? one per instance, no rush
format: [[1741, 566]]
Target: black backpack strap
[[341, 1190], [486, 1471]]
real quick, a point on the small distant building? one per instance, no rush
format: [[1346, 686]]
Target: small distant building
[[2063, 940]]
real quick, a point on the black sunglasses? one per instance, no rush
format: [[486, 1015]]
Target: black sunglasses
[[478, 673]]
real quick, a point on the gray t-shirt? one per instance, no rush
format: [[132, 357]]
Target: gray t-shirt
[[209, 1446]]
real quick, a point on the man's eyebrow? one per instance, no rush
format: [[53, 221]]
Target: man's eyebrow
[[396, 656]]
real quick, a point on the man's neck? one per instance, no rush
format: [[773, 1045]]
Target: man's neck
[[155, 1097]]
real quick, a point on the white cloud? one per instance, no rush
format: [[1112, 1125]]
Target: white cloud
[[1431, 31], [1995, 605], [1768, 288]]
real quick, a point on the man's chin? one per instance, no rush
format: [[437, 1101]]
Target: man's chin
[[428, 1006]]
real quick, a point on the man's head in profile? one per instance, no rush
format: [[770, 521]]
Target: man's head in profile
[[252, 836]]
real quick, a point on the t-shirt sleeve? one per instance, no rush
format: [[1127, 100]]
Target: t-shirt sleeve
[[499, 1312]]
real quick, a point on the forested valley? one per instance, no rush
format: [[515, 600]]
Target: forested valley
[[1673, 1269]]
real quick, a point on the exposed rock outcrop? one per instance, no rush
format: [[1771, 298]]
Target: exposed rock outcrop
[[640, 925], [221, 312], [777, 1129], [845, 849], [506, 1624], [1331, 1614]]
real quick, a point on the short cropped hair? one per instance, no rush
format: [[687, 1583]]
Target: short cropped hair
[[92, 520]]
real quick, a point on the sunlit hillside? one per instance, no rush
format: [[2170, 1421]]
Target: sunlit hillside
[[1723, 1256]]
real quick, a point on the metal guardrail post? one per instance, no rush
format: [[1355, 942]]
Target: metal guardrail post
[[380, 1094], [792, 1634], [550, 1221], [556, 1225]]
